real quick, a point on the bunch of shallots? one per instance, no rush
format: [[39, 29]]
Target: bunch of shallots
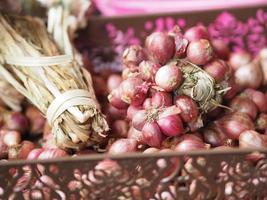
[[170, 84]]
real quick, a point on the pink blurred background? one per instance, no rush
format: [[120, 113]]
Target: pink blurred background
[[134, 7]]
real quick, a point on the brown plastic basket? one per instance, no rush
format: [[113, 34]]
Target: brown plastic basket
[[212, 174]]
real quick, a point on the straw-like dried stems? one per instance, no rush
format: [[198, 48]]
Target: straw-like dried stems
[[200, 86], [10, 96], [25, 37]]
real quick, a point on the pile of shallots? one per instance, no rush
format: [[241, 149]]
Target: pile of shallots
[[26, 135], [158, 103], [179, 92]]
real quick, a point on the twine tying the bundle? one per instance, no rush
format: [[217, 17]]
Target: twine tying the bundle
[[63, 101]]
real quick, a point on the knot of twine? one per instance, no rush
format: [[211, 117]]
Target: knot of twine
[[62, 101], [200, 86]]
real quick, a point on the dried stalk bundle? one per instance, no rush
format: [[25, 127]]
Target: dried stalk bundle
[[200, 86], [55, 83], [10, 96]]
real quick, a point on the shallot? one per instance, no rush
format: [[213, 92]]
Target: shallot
[[123, 146], [239, 59], [113, 82], [171, 125], [199, 52], [169, 77], [249, 75], [133, 91], [133, 55], [160, 47], [258, 98], [152, 135], [148, 69], [220, 49], [233, 124], [161, 99], [251, 139], [244, 105], [196, 33], [188, 107]]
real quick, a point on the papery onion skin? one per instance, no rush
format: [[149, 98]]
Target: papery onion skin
[[133, 91], [130, 72], [251, 139], [171, 125], [249, 76], [220, 49], [115, 100], [160, 47], [161, 99], [233, 124], [169, 77], [258, 98], [238, 59], [199, 52], [244, 105], [152, 135], [197, 33], [139, 120], [133, 55], [180, 41], [148, 69], [113, 82], [189, 108], [123, 146]]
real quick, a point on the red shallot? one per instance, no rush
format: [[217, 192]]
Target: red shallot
[[251, 139], [188, 107], [133, 55], [171, 125], [161, 99], [169, 77], [220, 49], [249, 75], [239, 59], [233, 124], [160, 47], [152, 135], [258, 98], [199, 52], [133, 91], [113, 82], [123, 146], [148, 69], [244, 105], [197, 33]]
